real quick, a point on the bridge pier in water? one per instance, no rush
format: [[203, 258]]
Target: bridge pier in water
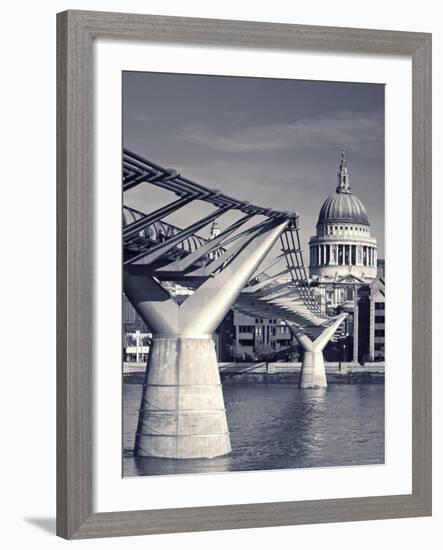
[[182, 413], [313, 372]]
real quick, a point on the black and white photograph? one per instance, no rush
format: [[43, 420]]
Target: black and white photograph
[[253, 266]]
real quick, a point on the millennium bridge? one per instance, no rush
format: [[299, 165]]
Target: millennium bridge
[[182, 285]]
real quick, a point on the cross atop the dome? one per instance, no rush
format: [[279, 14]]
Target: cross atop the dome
[[342, 175]]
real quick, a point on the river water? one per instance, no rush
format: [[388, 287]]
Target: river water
[[277, 426]]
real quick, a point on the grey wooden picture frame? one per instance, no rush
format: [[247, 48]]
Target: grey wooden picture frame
[[76, 32]]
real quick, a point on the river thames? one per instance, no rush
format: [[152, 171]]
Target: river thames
[[275, 426]]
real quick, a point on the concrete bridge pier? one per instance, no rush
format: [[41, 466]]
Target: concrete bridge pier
[[182, 413], [313, 372]]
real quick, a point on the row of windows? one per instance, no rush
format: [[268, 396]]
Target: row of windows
[[245, 342], [273, 331], [379, 332], [251, 328], [331, 229], [341, 293], [379, 305], [260, 321], [379, 319], [132, 340], [273, 343], [132, 357], [258, 331], [280, 343]]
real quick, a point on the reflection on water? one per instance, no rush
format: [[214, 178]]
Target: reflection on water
[[277, 426]]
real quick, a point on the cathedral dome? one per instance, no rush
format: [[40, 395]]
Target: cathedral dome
[[343, 207], [343, 245]]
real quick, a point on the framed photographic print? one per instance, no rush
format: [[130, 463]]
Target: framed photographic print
[[244, 281]]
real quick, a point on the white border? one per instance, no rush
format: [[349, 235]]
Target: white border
[[111, 491]]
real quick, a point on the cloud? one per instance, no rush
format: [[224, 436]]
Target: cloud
[[343, 127]]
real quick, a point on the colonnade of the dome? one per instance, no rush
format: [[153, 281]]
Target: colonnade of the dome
[[343, 229], [342, 254]]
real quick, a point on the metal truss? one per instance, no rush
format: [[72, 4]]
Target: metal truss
[[172, 255]]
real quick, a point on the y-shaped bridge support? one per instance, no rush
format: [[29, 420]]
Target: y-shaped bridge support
[[182, 413], [313, 372]]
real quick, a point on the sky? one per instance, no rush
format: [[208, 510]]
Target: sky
[[272, 142]]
